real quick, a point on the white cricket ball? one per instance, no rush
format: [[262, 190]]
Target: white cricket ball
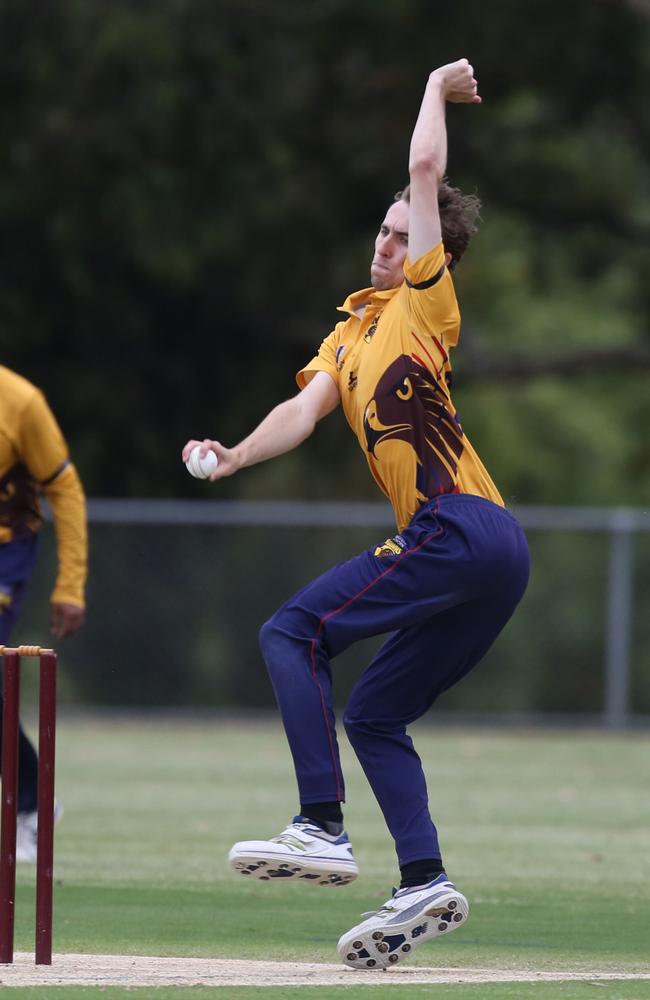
[[199, 467]]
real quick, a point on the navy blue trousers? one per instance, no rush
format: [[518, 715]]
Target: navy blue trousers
[[17, 561], [457, 573]]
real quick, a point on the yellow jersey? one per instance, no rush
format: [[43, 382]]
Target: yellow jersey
[[33, 460], [390, 360]]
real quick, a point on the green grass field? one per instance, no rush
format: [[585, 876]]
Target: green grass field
[[547, 832]]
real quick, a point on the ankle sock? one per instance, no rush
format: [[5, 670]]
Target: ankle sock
[[420, 872], [327, 815]]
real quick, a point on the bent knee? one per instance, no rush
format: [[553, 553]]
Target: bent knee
[[357, 725], [283, 635], [271, 638], [366, 715]]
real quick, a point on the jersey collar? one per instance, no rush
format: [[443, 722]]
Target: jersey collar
[[366, 296]]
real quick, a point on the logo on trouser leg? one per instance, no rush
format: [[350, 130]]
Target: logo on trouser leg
[[391, 547], [6, 600]]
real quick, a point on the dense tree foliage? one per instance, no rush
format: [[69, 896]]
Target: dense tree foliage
[[189, 187]]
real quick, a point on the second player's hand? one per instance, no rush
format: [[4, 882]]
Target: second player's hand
[[458, 82], [228, 457], [65, 619]]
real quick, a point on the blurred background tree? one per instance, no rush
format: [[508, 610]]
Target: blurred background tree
[[189, 187]]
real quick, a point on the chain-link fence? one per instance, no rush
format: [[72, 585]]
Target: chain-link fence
[[179, 589]]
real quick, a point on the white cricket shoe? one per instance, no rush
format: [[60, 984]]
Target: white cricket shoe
[[27, 833], [407, 919], [303, 851]]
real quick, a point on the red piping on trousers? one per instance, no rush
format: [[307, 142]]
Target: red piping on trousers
[[342, 607]]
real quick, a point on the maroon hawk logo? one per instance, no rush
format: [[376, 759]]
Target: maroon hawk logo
[[408, 405], [19, 508]]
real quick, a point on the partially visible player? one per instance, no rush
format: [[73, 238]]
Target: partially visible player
[[442, 587], [34, 460]]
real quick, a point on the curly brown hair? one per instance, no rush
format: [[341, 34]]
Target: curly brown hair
[[459, 214]]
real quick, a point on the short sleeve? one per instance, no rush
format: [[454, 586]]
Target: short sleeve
[[433, 309], [325, 361]]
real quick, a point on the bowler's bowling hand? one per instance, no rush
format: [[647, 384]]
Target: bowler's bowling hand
[[458, 82]]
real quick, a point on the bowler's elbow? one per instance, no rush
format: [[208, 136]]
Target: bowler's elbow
[[426, 168]]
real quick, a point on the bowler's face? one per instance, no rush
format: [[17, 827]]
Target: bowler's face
[[391, 248]]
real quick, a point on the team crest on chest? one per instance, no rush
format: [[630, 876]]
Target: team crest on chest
[[370, 332]]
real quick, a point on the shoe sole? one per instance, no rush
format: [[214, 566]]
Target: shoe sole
[[383, 946], [287, 867]]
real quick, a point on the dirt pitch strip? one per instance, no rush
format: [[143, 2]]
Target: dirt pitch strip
[[137, 970]]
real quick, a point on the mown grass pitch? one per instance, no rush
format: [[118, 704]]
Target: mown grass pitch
[[547, 832]]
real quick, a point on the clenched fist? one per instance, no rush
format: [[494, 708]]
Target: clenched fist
[[458, 82]]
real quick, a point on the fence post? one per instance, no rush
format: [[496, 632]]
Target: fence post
[[619, 621]]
